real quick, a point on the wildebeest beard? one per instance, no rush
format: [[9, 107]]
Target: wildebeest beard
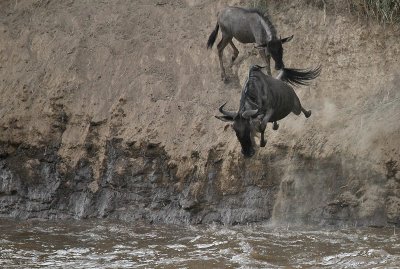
[[243, 124], [244, 134]]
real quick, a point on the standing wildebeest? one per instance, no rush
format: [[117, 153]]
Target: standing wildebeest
[[250, 26], [264, 99]]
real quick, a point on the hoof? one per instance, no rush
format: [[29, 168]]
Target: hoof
[[275, 126], [307, 113], [262, 144]]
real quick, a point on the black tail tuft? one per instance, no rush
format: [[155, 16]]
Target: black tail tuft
[[212, 37], [300, 76]]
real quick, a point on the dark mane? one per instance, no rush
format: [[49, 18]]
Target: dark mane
[[249, 92], [266, 18]]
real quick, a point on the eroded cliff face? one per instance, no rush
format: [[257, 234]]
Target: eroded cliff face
[[107, 110]]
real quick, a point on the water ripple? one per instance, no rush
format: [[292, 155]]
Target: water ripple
[[105, 244]]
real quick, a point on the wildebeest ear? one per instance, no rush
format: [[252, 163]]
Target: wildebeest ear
[[286, 39], [224, 118], [249, 113]]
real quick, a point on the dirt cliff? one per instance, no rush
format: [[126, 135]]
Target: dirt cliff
[[107, 110]]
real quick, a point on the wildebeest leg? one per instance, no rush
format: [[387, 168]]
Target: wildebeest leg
[[267, 59], [276, 126], [262, 141], [306, 113], [264, 125], [221, 46], [235, 51]]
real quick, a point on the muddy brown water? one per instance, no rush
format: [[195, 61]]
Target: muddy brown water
[[110, 244]]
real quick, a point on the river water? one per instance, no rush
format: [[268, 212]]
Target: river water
[[107, 244]]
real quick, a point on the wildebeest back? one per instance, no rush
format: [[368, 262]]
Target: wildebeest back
[[268, 92]]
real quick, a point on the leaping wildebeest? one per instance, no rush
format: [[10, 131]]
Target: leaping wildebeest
[[251, 26], [264, 99]]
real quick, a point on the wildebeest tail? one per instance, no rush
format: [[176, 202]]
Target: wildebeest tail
[[212, 37], [299, 76]]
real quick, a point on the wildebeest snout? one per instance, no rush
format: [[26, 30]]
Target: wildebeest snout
[[248, 153], [279, 66]]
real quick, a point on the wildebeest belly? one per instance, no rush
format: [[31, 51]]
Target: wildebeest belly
[[280, 114], [283, 103], [244, 37], [241, 33]]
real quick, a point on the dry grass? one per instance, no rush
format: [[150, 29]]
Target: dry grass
[[384, 11], [261, 5]]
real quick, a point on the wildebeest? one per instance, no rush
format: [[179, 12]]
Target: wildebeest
[[251, 26], [248, 26], [264, 99]]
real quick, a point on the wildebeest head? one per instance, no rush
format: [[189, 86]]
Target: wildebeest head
[[242, 126], [275, 49]]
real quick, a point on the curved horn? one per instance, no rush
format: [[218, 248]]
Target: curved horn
[[227, 113], [256, 67], [261, 46], [249, 113]]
